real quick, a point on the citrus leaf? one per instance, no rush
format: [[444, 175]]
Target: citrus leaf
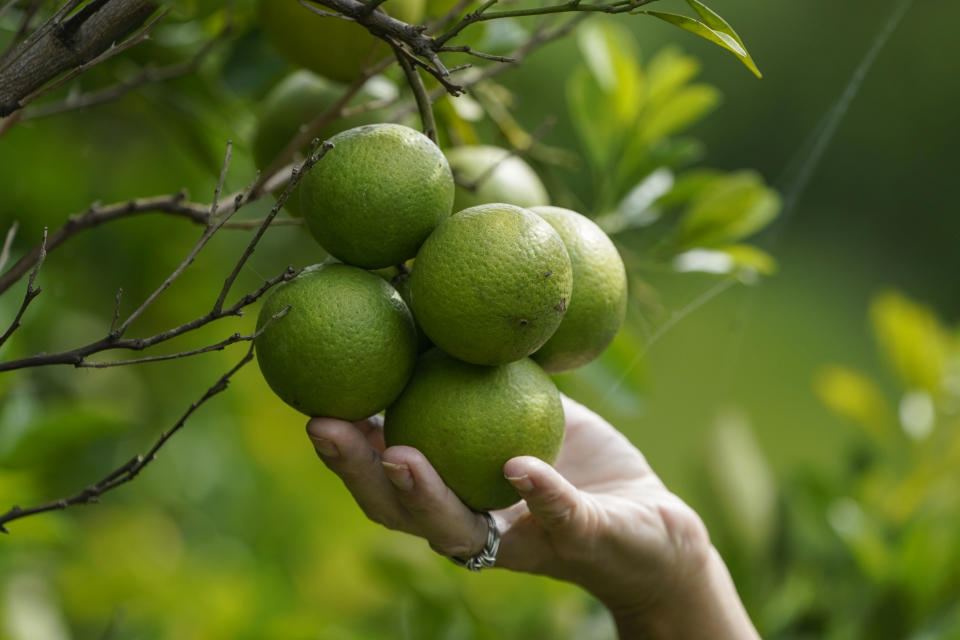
[[732, 208], [713, 20], [721, 38], [852, 395], [912, 339]]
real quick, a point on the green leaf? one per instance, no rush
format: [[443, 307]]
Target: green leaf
[[713, 20], [733, 208], [668, 71], [605, 95], [747, 497], [749, 257], [854, 396], [719, 36], [680, 111], [913, 341]]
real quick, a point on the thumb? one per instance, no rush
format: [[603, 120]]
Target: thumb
[[550, 497]]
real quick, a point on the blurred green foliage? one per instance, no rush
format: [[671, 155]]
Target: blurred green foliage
[[873, 552], [237, 531]]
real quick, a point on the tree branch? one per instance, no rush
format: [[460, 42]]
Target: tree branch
[[424, 104], [60, 45], [127, 472], [113, 50], [30, 294], [175, 204], [115, 340]]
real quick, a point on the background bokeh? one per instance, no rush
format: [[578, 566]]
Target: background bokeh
[[810, 415]]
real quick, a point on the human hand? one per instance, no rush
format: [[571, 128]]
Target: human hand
[[600, 518]]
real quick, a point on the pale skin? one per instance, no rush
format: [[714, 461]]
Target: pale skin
[[599, 518]]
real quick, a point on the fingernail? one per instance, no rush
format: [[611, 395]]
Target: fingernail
[[521, 483], [399, 475], [325, 447]]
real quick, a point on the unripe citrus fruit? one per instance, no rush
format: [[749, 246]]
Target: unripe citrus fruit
[[468, 420], [346, 347], [495, 175], [374, 198], [599, 301], [491, 284], [295, 101], [335, 48]]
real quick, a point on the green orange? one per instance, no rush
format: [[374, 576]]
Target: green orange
[[468, 420], [488, 174], [491, 284], [599, 302], [293, 102], [335, 48], [375, 197], [344, 349]]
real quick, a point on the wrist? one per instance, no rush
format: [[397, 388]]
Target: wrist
[[702, 603]]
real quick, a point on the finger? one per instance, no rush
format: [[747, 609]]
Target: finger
[[437, 513], [347, 452], [372, 428], [550, 497]]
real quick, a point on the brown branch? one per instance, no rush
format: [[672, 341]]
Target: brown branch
[[115, 340], [208, 232], [424, 104], [175, 204], [148, 75], [298, 173], [30, 294], [126, 472], [17, 49], [28, 15], [540, 38], [60, 45], [114, 50], [483, 56]]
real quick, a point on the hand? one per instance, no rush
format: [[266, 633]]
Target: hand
[[601, 519]]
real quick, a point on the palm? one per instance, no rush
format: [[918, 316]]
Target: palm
[[621, 494]]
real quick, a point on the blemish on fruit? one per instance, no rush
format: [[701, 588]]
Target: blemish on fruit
[[561, 306], [548, 273]]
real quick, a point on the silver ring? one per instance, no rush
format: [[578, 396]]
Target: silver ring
[[488, 555]]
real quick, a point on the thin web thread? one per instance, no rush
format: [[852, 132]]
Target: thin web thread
[[792, 183]]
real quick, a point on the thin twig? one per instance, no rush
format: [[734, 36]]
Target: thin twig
[[76, 357], [209, 231], [424, 104], [174, 204], [295, 178], [483, 56], [128, 471], [217, 346], [30, 294], [621, 6], [116, 312], [7, 243], [115, 339]]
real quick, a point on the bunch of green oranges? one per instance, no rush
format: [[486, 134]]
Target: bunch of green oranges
[[450, 322]]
